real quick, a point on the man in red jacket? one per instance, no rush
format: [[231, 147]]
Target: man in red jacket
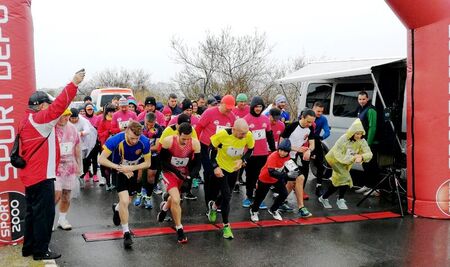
[[40, 149]]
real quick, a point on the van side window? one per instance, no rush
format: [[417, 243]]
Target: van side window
[[346, 98], [319, 92]]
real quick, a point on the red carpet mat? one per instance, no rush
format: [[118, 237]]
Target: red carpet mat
[[153, 231]]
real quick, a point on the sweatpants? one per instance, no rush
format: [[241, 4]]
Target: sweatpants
[[252, 170], [39, 216], [263, 189]]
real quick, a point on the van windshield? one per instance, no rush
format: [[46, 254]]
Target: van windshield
[[106, 99]]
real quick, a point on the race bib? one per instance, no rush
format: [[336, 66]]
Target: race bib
[[259, 134], [130, 162], [123, 124], [235, 152], [179, 162], [290, 165], [220, 127], [66, 148]]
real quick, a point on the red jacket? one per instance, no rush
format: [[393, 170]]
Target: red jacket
[[36, 126], [104, 131]]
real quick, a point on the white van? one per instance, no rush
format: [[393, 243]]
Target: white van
[[337, 84], [103, 96]]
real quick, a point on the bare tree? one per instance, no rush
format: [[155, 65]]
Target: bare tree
[[222, 63]]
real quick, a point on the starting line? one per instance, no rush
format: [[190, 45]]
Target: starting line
[[155, 231]]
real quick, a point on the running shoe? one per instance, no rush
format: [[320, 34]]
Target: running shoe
[[95, 178], [157, 190], [116, 217], [254, 216], [162, 214], [326, 204], [375, 193], [362, 190], [102, 181], [212, 212], [148, 202], [127, 241], [86, 177], [341, 204], [263, 206], [246, 203], [195, 183], [275, 214], [137, 200], [64, 224], [182, 239], [227, 233], [305, 196], [304, 212], [190, 196], [285, 208]]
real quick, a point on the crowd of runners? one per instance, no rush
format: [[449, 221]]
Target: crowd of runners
[[150, 149]]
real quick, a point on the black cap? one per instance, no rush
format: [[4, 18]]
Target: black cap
[[87, 98], [212, 101], [218, 98], [183, 118], [38, 98], [186, 104], [74, 113], [150, 100]]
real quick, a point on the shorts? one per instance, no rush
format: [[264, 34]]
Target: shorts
[[171, 181], [155, 163], [66, 182], [123, 183]]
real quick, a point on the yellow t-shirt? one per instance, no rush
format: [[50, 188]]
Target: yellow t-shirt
[[169, 131], [232, 148]]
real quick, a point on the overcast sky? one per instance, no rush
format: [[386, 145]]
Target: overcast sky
[[100, 34]]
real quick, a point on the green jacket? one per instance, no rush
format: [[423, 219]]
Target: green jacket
[[342, 156]]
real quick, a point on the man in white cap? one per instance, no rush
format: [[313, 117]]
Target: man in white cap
[[280, 103], [120, 118]]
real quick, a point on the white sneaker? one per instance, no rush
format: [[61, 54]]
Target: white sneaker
[[326, 204], [102, 181], [362, 189], [254, 216], [375, 193], [276, 215], [341, 204], [64, 224]]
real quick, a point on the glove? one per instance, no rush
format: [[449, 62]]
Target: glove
[[292, 175]]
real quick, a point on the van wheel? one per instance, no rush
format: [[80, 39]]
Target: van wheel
[[326, 168]]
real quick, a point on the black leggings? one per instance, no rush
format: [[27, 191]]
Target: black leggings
[[208, 175], [252, 170], [225, 186], [91, 159], [342, 189], [106, 172], [263, 189]]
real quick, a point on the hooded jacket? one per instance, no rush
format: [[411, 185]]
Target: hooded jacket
[[256, 100], [342, 156]]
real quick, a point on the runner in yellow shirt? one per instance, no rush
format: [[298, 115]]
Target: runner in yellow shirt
[[228, 156]]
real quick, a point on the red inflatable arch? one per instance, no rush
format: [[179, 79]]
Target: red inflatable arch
[[428, 105]]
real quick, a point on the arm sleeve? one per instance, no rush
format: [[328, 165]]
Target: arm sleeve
[[195, 165], [372, 116], [56, 109], [165, 162], [270, 140], [213, 155], [247, 154], [278, 174], [366, 152], [326, 130]]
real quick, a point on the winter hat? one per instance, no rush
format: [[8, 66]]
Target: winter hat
[[74, 112], [285, 145], [186, 104], [167, 111], [150, 100], [123, 102], [67, 112], [212, 101], [241, 98], [133, 102], [279, 99], [183, 118]]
